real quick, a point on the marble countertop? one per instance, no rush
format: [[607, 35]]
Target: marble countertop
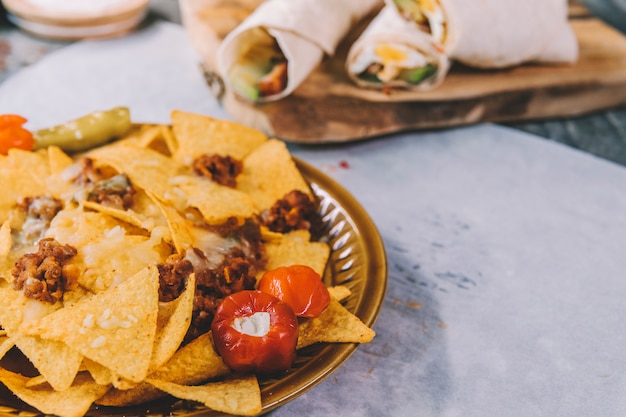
[[504, 249]]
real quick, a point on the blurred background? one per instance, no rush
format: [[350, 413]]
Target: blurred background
[[602, 134]]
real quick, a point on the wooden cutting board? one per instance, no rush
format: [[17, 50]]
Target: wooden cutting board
[[327, 107]]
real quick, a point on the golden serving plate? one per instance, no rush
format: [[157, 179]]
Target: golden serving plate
[[357, 261]]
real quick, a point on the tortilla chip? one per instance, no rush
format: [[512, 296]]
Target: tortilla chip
[[78, 228], [58, 159], [108, 252], [170, 140], [296, 248], [180, 227], [62, 370], [5, 239], [59, 372], [194, 363], [143, 214], [238, 395], [197, 135], [269, 173], [339, 292], [153, 136], [100, 373], [36, 381], [145, 135], [335, 325], [146, 168], [217, 203], [171, 329], [121, 320], [6, 344], [73, 402], [23, 174]]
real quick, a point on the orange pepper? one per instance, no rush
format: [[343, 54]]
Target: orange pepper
[[13, 135]]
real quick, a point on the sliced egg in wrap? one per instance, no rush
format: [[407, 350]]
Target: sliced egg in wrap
[[393, 52], [277, 46]]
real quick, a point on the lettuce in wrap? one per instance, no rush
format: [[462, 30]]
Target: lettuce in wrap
[[277, 46]]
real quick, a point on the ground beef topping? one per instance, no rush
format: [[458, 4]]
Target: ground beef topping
[[41, 207], [117, 192], [45, 274], [232, 271], [212, 284], [173, 276], [295, 211], [88, 174], [221, 169]]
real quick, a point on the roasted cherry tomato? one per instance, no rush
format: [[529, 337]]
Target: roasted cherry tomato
[[13, 135], [299, 286], [255, 332]]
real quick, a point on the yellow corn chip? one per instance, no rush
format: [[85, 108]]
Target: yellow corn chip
[[171, 329], [5, 239], [120, 320], [62, 370], [216, 202], [296, 248], [239, 395], [269, 173], [146, 168], [100, 373], [169, 139], [72, 402], [144, 214], [194, 363], [197, 135], [6, 343], [36, 381], [58, 159], [335, 325], [59, 372], [23, 174], [180, 227], [339, 292]]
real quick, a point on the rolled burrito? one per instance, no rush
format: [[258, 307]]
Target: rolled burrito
[[394, 52], [496, 33], [277, 46]]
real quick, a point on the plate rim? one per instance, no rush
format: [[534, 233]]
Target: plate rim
[[376, 267]]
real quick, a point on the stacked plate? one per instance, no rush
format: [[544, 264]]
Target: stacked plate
[[76, 19]]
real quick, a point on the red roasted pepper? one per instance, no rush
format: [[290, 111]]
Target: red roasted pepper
[[255, 332], [13, 135], [299, 286]]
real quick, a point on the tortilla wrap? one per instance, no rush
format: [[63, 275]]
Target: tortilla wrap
[[388, 29], [501, 33], [305, 30]]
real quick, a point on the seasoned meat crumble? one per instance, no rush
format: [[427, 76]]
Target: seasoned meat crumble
[[295, 211], [221, 169], [45, 274]]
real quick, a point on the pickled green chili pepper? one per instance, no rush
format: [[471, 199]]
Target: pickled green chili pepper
[[86, 132]]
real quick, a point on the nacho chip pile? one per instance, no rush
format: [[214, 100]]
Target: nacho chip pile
[[105, 257]]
